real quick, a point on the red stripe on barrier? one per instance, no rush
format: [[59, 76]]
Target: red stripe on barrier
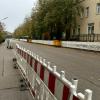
[[51, 84], [75, 98], [27, 58], [24, 55], [21, 52], [42, 73], [35, 66], [33, 93], [31, 61], [66, 93]]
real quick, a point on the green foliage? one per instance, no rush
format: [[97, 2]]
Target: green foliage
[[1, 37], [2, 33], [53, 17], [24, 29]]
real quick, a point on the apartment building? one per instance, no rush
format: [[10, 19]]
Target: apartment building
[[88, 28]]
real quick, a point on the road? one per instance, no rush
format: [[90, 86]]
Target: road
[[83, 65]]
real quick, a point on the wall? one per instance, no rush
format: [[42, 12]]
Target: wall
[[92, 18]]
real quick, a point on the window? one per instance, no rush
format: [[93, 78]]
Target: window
[[98, 8], [81, 15], [87, 12], [91, 28]]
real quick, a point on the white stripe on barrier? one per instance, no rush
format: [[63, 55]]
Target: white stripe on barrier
[[46, 77]]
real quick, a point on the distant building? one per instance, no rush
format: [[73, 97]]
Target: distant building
[[88, 28]]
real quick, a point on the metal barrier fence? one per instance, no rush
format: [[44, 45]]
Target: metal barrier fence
[[44, 81], [86, 37]]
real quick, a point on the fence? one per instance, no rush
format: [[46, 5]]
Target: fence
[[86, 37], [44, 81]]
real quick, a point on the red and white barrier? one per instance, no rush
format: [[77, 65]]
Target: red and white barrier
[[44, 81]]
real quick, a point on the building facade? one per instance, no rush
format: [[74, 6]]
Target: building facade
[[88, 28]]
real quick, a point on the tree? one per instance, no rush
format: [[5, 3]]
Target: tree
[[24, 29], [1, 32], [57, 16], [53, 17]]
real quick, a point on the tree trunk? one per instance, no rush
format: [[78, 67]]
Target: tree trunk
[[67, 34], [59, 31]]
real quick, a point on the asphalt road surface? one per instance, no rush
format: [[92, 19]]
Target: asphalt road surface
[[83, 65]]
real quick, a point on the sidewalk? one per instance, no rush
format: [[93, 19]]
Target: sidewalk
[[9, 77]]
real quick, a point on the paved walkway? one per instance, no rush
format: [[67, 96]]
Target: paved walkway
[[9, 77]]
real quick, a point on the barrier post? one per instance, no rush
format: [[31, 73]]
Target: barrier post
[[48, 65], [75, 83], [37, 57], [27, 59], [73, 91], [41, 60], [62, 74], [80, 96], [44, 61], [88, 94], [54, 68]]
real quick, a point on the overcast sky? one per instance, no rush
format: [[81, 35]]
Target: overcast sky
[[16, 11]]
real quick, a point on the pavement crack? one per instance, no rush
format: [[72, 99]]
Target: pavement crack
[[11, 88]]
